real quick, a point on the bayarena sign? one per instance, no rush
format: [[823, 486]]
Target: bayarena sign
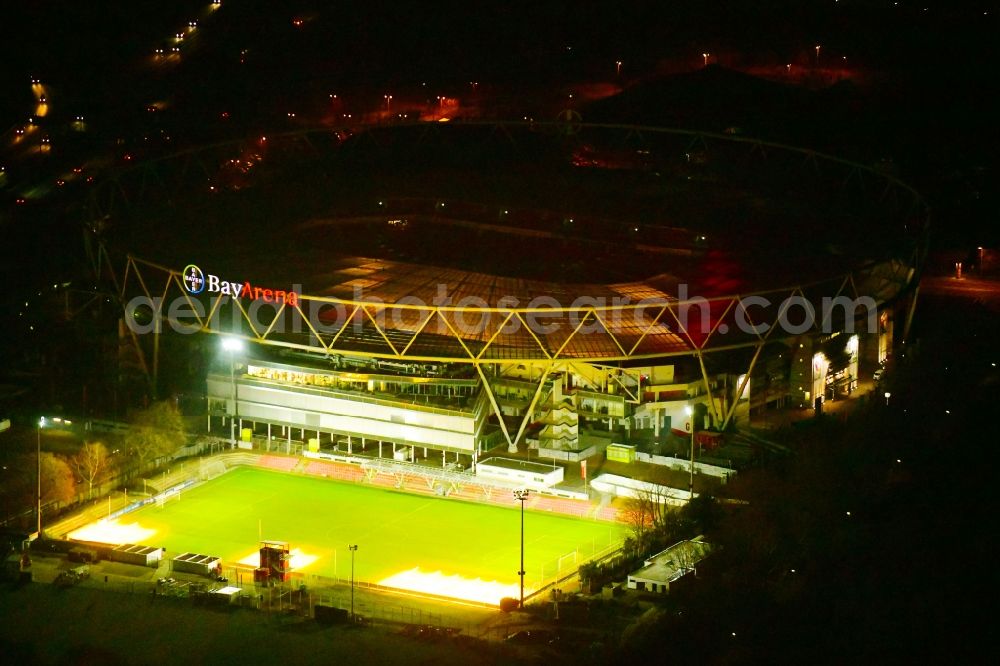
[[196, 282]]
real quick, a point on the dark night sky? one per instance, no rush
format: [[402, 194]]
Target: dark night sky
[[939, 62], [932, 107], [497, 41]]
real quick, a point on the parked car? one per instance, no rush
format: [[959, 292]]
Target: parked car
[[73, 576]]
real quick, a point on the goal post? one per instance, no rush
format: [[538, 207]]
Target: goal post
[[569, 558], [163, 498], [211, 469]]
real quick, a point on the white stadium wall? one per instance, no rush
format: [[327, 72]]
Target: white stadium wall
[[366, 419]]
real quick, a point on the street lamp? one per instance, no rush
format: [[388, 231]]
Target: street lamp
[[233, 345], [887, 396], [388, 99], [818, 47], [521, 495], [353, 548], [689, 411], [704, 57], [38, 477], [618, 67]]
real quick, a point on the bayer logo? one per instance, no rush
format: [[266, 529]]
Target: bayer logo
[[194, 279]]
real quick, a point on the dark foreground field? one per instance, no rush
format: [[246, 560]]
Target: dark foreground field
[[47, 625]]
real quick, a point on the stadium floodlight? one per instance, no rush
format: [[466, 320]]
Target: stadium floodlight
[[521, 495], [42, 422], [233, 345], [38, 478], [353, 548], [689, 411]]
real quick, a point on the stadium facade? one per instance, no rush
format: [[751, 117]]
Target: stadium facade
[[711, 320], [562, 410]]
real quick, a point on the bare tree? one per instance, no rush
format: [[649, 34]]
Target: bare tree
[[90, 463], [637, 517], [684, 557], [157, 431], [649, 511], [58, 484], [654, 500]]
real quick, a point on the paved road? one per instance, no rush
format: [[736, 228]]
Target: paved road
[[985, 291]]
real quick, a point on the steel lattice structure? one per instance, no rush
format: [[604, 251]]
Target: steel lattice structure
[[618, 324]]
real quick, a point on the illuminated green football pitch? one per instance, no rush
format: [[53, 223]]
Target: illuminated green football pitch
[[450, 542]]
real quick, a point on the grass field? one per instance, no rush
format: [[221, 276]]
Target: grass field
[[395, 531]]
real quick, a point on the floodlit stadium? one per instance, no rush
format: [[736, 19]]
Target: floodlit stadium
[[493, 303], [417, 542]]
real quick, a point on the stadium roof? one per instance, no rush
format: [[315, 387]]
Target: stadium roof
[[390, 281], [403, 239]]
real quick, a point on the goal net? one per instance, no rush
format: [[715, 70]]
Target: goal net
[[211, 469], [163, 498]]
